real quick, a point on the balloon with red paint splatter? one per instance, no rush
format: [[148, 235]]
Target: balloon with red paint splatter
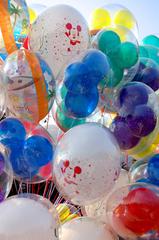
[[86, 163], [59, 34], [132, 211]]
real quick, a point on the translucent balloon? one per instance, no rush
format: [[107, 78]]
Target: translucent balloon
[[138, 171], [3, 98], [28, 217], [112, 15], [137, 106], [132, 211], [6, 174], [148, 73], [77, 94], [98, 209], [67, 212], [121, 48], [59, 34], [86, 228], [30, 85], [86, 163], [14, 25], [148, 51], [30, 150]]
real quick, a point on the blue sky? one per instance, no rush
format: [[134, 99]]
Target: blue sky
[[145, 11]]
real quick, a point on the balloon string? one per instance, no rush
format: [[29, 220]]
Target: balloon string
[[39, 82], [6, 27]]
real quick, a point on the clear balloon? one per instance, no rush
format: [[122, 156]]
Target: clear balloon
[[31, 150], [86, 228], [151, 40], [121, 48], [14, 25], [86, 163], [149, 51], [137, 106], [148, 73], [59, 34], [28, 217], [30, 85], [98, 209], [6, 174], [112, 15], [132, 211]]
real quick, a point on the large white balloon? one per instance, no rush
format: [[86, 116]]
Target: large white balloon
[[86, 229], [86, 163], [27, 219], [59, 34], [98, 209]]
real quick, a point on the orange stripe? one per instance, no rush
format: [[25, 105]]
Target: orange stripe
[[6, 27], [39, 82]]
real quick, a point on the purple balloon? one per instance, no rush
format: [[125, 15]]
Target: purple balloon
[[2, 196], [132, 95], [143, 121], [123, 134], [2, 163]]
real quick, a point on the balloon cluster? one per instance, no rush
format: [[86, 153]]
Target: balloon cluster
[[29, 154], [101, 83]]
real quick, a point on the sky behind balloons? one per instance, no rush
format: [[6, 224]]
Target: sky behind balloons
[[145, 11]]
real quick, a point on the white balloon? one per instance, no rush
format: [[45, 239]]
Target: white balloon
[[86, 163], [98, 209], [59, 34], [86, 229], [27, 219]]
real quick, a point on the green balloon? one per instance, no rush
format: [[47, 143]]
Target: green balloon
[[115, 77], [63, 91], [150, 52], [151, 40], [65, 122], [108, 42], [129, 54]]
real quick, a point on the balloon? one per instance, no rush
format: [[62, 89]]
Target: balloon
[[78, 94], [3, 99], [148, 51], [30, 153], [12, 127], [99, 19], [59, 34], [14, 25], [152, 40], [98, 209], [6, 174], [38, 151], [152, 169], [90, 166], [122, 53], [132, 211], [138, 171], [30, 95], [67, 212], [28, 217], [112, 15], [32, 15], [86, 228], [148, 73], [138, 117]]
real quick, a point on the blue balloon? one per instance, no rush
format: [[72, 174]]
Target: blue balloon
[[153, 169], [81, 105], [78, 78], [13, 144], [12, 127], [20, 166], [38, 151], [98, 65]]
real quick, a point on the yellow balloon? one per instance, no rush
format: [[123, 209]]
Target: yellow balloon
[[72, 216], [125, 19], [33, 15], [122, 32], [63, 211], [146, 153], [100, 18]]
